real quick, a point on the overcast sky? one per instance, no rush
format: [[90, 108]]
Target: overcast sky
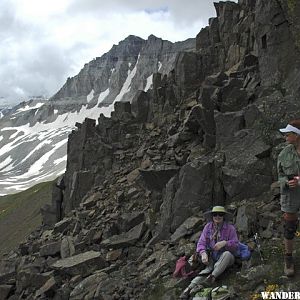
[[45, 41]]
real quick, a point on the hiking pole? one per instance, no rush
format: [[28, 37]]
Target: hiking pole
[[258, 246]]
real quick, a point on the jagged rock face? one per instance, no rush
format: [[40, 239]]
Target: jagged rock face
[[137, 184], [221, 99], [278, 50], [109, 73], [33, 136]]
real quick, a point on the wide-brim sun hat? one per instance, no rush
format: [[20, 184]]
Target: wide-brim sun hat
[[220, 209], [290, 128]]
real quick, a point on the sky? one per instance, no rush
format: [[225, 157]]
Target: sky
[[43, 42]]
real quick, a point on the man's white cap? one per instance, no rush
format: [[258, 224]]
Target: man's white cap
[[290, 128]]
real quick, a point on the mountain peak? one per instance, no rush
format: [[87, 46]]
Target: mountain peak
[[153, 37], [132, 38]]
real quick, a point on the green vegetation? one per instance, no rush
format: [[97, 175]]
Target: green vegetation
[[292, 5], [20, 214]]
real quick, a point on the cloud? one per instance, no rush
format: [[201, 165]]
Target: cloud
[[44, 42], [183, 12]]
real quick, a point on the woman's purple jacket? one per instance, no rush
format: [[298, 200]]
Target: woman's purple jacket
[[227, 233]]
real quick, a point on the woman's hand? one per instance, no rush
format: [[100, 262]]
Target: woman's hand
[[204, 258], [219, 245]]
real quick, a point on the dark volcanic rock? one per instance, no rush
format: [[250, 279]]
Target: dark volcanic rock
[[156, 179], [247, 171], [50, 249], [4, 291], [126, 239], [190, 190], [82, 264]]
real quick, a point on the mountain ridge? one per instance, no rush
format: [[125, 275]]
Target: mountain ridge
[[115, 76]]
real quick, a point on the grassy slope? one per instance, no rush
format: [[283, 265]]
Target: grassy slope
[[20, 214]]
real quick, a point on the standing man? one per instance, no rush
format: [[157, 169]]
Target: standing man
[[288, 167]]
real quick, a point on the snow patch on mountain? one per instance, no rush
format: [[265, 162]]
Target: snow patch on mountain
[[103, 95], [149, 83], [126, 86], [90, 96], [6, 162], [46, 143], [28, 107], [159, 66]]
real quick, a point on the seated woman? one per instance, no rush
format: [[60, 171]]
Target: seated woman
[[216, 246]]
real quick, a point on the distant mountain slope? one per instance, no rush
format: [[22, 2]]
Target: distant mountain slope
[[33, 135], [20, 214]]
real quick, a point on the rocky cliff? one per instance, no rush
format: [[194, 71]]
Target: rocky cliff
[[108, 73], [136, 183], [33, 134]]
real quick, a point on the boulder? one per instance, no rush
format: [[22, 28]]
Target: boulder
[[63, 225], [86, 288], [48, 289], [188, 227], [26, 278], [179, 138], [122, 110], [253, 276], [113, 255], [131, 219], [193, 121], [247, 171], [156, 263], [7, 271], [227, 124], [140, 106], [50, 249], [81, 264], [233, 96], [91, 201], [4, 291], [246, 219], [156, 179], [187, 193], [188, 71], [82, 181], [126, 239], [250, 60], [217, 79], [67, 247], [48, 213], [132, 176]]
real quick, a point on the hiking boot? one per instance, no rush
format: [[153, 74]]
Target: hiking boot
[[289, 268], [196, 289], [185, 294], [209, 280]]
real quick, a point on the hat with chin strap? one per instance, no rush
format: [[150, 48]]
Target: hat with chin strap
[[218, 209]]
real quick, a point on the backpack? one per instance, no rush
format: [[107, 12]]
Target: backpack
[[182, 268], [243, 252]]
